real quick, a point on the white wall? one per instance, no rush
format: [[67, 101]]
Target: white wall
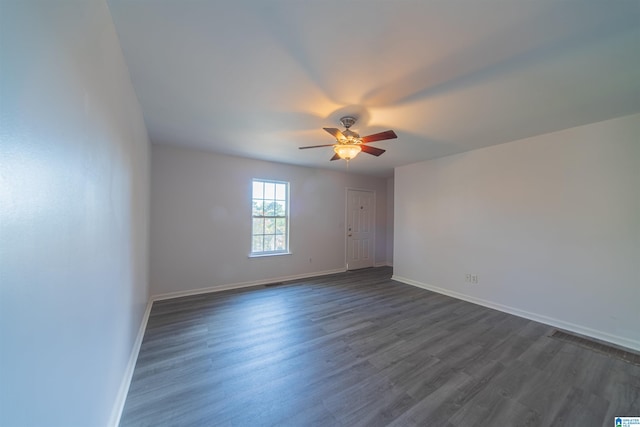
[[551, 224], [390, 208], [73, 214], [201, 220]]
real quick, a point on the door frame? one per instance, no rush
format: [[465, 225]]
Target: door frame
[[346, 222]]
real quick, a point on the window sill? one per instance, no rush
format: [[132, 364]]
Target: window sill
[[269, 254]]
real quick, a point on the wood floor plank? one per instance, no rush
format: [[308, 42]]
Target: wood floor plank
[[358, 349]]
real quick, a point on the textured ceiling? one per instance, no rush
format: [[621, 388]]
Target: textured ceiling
[[258, 78]]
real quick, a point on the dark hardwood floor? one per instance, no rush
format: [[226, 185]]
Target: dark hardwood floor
[[358, 349]]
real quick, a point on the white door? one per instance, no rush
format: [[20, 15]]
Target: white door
[[360, 223]]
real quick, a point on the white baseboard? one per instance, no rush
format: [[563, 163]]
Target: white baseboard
[[121, 398], [557, 323], [243, 284]]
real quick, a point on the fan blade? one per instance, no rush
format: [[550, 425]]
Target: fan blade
[[316, 146], [388, 134], [335, 132], [335, 157], [372, 150]]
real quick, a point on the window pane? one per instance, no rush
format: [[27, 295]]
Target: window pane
[[257, 208], [281, 226], [281, 192], [269, 190], [281, 209], [258, 192], [270, 226], [269, 243], [258, 226], [269, 208], [281, 243], [257, 244]]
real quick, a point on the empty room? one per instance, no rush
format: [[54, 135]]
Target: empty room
[[335, 213]]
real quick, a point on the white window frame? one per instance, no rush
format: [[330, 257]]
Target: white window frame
[[286, 217]]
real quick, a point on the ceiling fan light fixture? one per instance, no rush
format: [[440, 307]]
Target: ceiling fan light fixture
[[349, 143], [347, 151]]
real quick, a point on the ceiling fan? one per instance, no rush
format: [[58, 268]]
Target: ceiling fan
[[349, 143]]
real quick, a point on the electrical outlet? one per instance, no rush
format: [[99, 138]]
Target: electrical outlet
[[467, 278], [474, 279]]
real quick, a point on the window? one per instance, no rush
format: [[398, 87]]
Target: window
[[270, 223]]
